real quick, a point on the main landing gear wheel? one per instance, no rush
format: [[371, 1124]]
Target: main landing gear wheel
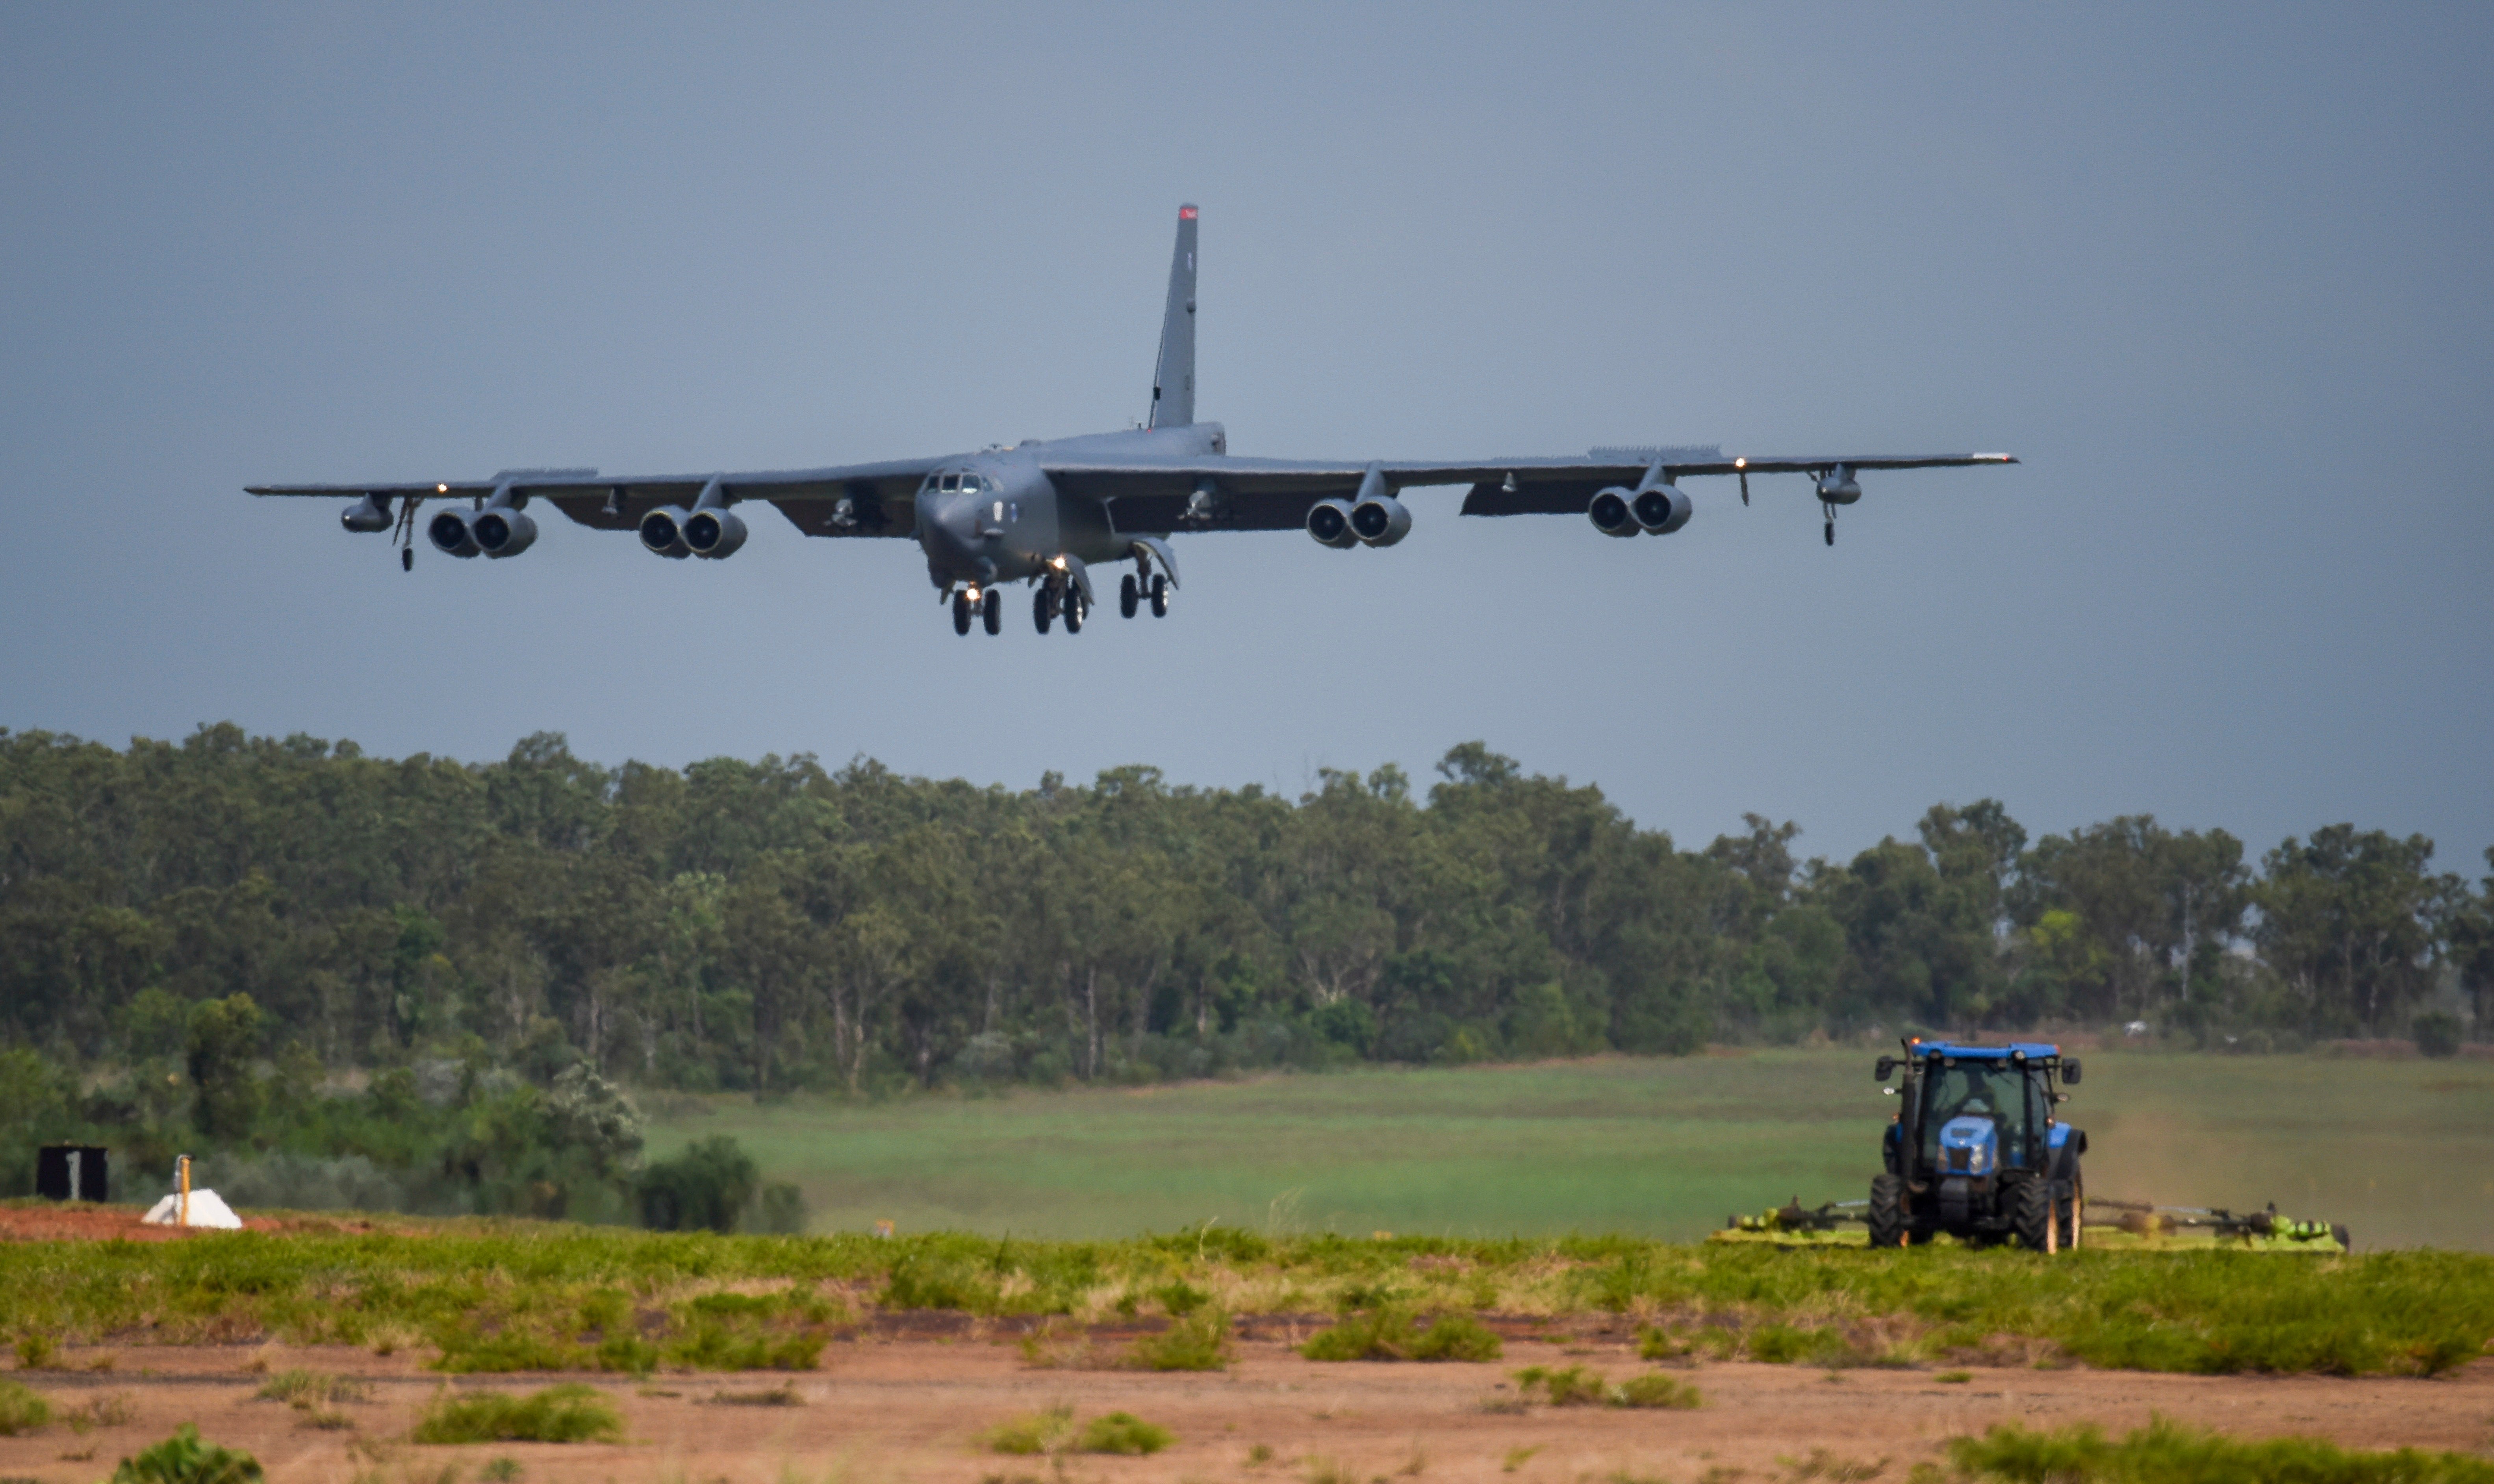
[[1042, 606], [1887, 1211], [1159, 595], [993, 615], [1073, 612], [961, 613], [1129, 597]]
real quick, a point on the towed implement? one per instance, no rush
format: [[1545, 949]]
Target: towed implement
[[1977, 1151]]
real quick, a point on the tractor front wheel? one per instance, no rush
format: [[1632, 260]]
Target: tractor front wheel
[[2031, 1215], [1887, 1211]]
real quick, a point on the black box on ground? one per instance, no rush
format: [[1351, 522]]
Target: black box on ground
[[70, 1172]]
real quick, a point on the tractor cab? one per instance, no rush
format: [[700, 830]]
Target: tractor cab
[[1976, 1148]]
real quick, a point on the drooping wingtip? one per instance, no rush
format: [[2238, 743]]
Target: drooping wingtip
[[1995, 458]]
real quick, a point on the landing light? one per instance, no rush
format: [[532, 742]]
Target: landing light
[[1740, 463], [441, 489]]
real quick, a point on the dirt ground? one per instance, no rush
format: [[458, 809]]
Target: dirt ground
[[48, 1222], [913, 1409]]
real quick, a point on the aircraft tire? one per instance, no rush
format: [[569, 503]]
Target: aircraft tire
[[1159, 595], [1129, 597], [406, 558], [961, 613], [993, 615], [1042, 611], [1073, 612], [1831, 532]]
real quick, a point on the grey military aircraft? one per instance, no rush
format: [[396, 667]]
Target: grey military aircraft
[[1044, 512]]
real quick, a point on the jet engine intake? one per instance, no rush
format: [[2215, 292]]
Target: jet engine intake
[[368, 515], [1380, 520], [662, 530], [714, 534], [1330, 522], [1612, 513], [502, 531], [1661, 509], [449, 534]]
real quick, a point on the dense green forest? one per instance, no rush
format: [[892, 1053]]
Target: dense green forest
[[431, 936]]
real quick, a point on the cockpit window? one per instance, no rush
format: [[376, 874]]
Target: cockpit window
[[951, 482]]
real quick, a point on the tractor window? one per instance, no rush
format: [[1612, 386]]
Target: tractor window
[[1974, 1089]]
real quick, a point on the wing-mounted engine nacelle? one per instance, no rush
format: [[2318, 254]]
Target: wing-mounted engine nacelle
[[714, 534], [1613, 513], [502, 531], [1330, 522], [1836, 487], [368, 515], [449, 534], [662, 530], [1661, 509], [1380, 520]]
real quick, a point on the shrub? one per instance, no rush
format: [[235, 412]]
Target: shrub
[[1039, 1432], [1122, 1432], [183, 1458], [2437, 1034], [1576, 1386], [2164, 1449], [707, 1186], [21, 1410], [307, 1389], [781, 1210], [567, 1413], [1386, 1334], [1654, 1389], [35, 1352], [1053, 1432], [1199, 1342]]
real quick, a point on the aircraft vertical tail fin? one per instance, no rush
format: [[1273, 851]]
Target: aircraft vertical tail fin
[[1173, 378]]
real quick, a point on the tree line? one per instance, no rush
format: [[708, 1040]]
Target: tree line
[[775, 926]]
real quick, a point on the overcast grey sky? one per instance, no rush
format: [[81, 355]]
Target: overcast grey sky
[[2220, 275]]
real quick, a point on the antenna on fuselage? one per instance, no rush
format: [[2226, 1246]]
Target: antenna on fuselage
[[1174, 375]]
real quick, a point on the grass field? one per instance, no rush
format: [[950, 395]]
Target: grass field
[[2400, 1151]]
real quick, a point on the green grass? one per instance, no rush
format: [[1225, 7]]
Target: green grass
[[1198, 1341], [2167, 1451], [517, 1295], [2399, 1151], [567, 1413]]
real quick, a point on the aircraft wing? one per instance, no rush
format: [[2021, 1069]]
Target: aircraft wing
[[1275, 494], [881, 497]]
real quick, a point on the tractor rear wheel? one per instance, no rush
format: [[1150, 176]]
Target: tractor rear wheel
[[2031, 1214], [1887, 1211]]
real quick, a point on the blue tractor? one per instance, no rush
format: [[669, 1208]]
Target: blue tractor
[[1976, 1148]]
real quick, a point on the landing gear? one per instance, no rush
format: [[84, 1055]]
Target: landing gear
[[1042, 606], [1129, 595], [961, 613], [1159, 595], [993, 611], [406, 558], [1074, 610], [1830, 511]]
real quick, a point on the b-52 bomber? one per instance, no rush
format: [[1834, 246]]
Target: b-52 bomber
[[1045, 512]]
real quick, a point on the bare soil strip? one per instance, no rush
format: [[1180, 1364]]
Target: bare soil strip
[[913, 1409]]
